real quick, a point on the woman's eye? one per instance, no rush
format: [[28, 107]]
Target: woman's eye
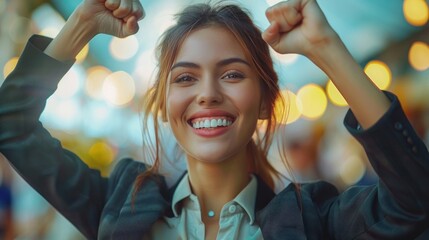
[[183, 79], [233, 75]]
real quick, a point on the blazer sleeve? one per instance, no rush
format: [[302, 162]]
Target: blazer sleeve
[[75, 190], [397, 206]]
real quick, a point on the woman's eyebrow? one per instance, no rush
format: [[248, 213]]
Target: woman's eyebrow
[[221, 63], [232, 60], [185, 64]]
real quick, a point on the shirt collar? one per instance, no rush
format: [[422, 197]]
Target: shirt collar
[[246, 198], [182, 191]]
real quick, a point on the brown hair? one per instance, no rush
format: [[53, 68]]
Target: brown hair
[[248, 35]]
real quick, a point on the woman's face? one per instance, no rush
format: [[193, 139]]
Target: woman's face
[[213, 96]]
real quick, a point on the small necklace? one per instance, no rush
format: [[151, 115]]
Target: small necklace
[[210, 213]]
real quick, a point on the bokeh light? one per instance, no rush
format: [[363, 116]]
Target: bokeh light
[[17, 22], [71, 83], [82, 54], [335, 95], [124, 48], [273, 2], [418, 56], [144, 70], [102, 154], [352, 170], [119, 88], [95, 80], [379, 73], [9, 66], [290, 112], [313, 99], [62, 113], [416, 12]]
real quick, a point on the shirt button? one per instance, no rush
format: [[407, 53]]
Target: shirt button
[[414, 149], [232, 208], [398, 126], [410, 140], [405, 133]]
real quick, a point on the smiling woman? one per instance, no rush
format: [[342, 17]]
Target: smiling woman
[[215, 83]]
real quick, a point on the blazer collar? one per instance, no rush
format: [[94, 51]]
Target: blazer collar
[[277, 215], [136, 218], [264, 195]]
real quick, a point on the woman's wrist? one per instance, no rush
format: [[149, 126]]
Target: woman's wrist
[[75, 34], [326, 51]]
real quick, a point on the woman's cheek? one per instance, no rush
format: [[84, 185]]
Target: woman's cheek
[[177, 103]]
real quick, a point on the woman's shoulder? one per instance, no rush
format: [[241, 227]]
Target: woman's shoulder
[[129, 168]]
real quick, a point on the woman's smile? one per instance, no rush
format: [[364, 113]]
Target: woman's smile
[[211, 123]]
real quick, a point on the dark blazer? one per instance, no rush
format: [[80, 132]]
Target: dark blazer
[[101, 208]]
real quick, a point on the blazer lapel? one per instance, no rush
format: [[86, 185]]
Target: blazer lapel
[[136, 218], [279, 216]]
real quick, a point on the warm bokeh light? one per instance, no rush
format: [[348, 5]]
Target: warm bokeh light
[[416, 12], [352, 170], [379, 73], [290, 112], [70, 84], [124, 48], [418, 56], [119, 88], [101, 154], [82, 54], [335, 95], [9, 66], [313, 100], [95, 80]]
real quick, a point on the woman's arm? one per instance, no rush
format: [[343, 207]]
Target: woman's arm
[[114, 17], [75, 190], [299, 26], [398, 206]]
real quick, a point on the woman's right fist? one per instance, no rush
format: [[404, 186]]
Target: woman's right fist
[[114, 17]]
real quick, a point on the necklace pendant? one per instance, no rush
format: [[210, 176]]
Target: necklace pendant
[[211, 213]]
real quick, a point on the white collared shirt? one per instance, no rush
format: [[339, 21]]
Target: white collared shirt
[[237, 217]]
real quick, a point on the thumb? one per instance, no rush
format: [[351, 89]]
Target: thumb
[[272, 34]]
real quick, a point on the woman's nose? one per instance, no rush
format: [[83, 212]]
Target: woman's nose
[[209, 92]]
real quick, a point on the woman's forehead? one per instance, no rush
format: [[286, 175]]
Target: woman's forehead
[[208, 44]]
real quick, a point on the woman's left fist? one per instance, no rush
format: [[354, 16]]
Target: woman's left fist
[[297, 26]]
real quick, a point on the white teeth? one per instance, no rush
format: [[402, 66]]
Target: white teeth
[[211, 123], [206, 123]]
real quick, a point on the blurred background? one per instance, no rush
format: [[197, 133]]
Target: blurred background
[[95, 111]]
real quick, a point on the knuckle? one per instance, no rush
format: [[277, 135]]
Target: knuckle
[[124, 9], [111, 4], [140, 14]]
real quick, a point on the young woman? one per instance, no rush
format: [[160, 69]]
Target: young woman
[[215, 82]]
